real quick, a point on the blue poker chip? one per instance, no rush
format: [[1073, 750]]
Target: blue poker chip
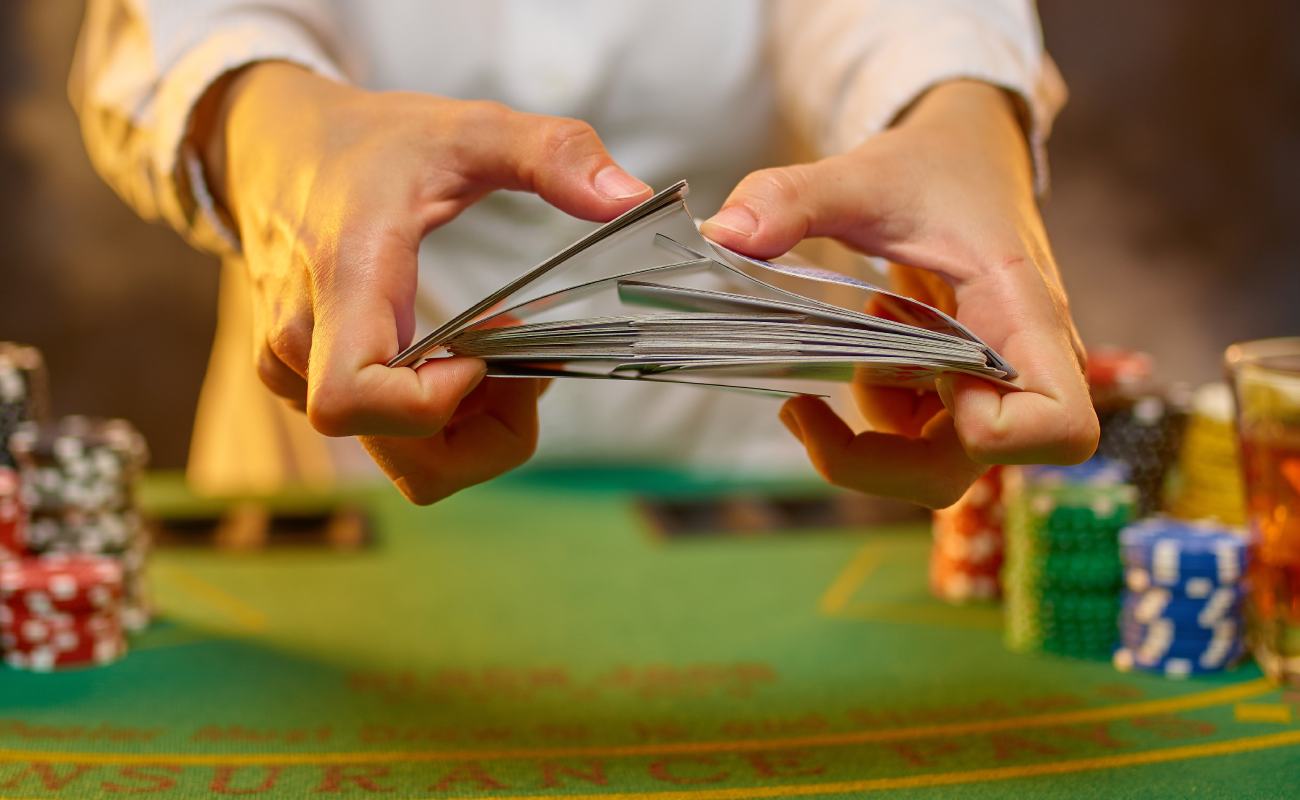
[[1209, 654], [1195, 582], [1131, 632], [1224, 602], [1169, 552], [1096, 471], [1205, 653], [1127, 659]]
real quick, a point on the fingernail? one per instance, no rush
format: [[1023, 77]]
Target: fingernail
[[615, 184], [737, 219], [791, 422]]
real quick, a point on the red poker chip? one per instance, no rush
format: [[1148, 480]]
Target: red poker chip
[[19, 631], [973, 550], [960, 524], [949, 565], [957, 586], [84, 652], [13, 515], [1113, 369], [61, 582], [8, 483], [967, 554]]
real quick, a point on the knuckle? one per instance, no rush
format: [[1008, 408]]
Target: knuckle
[[332, 412], [564, 137], [291, 344], [782, 185], [272, 373], [983, 442], [478, 114], [268, 368], [1081, 437]]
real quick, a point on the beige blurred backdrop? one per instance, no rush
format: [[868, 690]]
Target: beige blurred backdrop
[[1175, 206]]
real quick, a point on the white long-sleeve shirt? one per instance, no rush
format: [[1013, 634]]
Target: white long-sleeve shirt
[[705, 91]]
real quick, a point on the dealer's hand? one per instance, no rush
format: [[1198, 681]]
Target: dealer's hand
[[332, 189], [948, 189]]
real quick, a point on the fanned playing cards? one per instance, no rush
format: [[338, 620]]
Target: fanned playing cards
[[647, 297]]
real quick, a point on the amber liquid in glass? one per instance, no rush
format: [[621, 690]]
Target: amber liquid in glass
[[1271, 462]]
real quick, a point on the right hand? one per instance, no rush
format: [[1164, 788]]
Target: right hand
[[332, 189]]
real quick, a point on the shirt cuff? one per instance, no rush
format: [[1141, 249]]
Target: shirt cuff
[[186, 200], [950, 49]]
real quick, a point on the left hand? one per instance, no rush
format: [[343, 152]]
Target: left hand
[[949, 189]]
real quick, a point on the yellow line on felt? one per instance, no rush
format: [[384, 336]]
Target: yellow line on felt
[[246, 616], [1169, 705], [841, 590], [1163, 755], [1262, 712]]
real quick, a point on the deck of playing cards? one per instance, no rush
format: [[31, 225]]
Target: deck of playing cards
[[646, 297]]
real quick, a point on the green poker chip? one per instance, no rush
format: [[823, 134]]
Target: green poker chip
[[1063, 576]]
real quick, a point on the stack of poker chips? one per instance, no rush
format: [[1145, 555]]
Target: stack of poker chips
[[22, 392], [1140, 426], [1182, 613], [1063, 576], [13, 516], [77, 477], [61, 611], [966, 557], [1208, 483]]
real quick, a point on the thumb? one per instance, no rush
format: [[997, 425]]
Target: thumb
[[772, 210], [563, 160]]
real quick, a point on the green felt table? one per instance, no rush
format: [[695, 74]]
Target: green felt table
[[532, 638]]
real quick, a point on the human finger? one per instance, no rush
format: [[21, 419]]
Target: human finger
[[495, 433], [932, 470]]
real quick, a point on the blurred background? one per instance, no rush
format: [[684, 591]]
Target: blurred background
[[1173, 210]]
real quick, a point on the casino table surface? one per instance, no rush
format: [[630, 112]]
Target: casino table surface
[[534, 638]]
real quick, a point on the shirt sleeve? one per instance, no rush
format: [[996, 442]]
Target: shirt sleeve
[[846, 68], [140, 68]]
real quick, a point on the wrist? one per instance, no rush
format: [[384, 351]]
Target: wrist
[[985, 116], [235, 114]]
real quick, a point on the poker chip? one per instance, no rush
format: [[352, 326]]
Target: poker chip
[[1063, 573], [13, 516], [78, 463], [1141, 427], [61, 583], [68, 652], [63, 631], [73, 548], [1114, 373], [136, 606], [22, 392], [1224, 603], [966, 556], [61, 611], [1172, 552], [1186, 588], [76, 531], [1068, 570], [1207, 480], [1094, 472], [1169, 630], [1211, 659]]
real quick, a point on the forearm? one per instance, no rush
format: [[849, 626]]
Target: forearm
[[988, 112]]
